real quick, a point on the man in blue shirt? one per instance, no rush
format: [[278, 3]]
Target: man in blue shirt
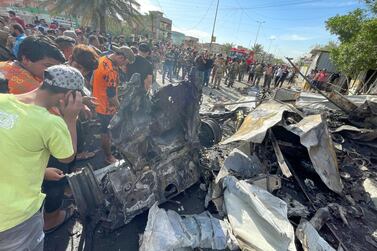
[[18, 32]]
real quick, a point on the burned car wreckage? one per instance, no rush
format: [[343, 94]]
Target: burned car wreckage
[[296, 170], [158, 138]]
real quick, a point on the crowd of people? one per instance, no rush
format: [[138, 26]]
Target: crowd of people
[[50, 84], [56, 78], [212, 70]]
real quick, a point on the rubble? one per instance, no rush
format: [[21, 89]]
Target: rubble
[[324, 156], [293, 155]]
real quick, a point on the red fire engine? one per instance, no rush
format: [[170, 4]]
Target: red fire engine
[[241, 54]]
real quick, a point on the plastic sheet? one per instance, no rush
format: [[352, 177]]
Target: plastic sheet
[[168, 231]]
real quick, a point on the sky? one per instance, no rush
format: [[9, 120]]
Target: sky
[[289, 27]]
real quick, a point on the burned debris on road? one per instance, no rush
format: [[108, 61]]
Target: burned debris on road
[[292, 172]]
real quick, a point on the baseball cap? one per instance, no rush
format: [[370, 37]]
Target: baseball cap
[[70, 33], [125, 51], [64, 76]]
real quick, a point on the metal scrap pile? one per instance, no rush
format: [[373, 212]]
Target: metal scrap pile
[[298, 173], [301, 175]]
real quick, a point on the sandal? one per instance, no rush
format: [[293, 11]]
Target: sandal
[[69, 212]]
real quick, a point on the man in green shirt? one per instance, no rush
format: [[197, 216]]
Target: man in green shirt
[[29, 134]]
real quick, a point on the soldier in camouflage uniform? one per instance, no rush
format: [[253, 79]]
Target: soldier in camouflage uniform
[[220, 70], [188, 62], [232, 71], [242, 71]]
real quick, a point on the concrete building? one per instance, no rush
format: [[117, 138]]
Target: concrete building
[[177, 38], [216, 48], [191, 42], [161, 26]]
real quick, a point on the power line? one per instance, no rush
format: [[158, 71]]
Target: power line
[[203, 17], [271, 5]]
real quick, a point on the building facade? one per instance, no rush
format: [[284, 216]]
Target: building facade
[[177, 38], [215, 48], [191, 42], [161, 26]]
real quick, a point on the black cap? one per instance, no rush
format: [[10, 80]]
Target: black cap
[[65, 39], [143, 47]]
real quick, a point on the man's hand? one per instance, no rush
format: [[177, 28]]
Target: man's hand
[[71, 105], [53, 174], [148, 83], [90, 101], [86, 113]]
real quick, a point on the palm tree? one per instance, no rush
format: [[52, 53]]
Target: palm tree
[[97, 12], [227, 47], [257, 48]]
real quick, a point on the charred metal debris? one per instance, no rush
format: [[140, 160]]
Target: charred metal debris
[[293, 171]]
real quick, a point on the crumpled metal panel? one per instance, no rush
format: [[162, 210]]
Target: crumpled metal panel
[[256, 124], [312, 130], [315, 136]]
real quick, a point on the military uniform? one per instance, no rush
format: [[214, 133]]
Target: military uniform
[[220, 70], [232, 73], [242, 71]]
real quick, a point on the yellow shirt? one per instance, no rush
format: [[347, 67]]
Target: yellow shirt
[[28, 135]]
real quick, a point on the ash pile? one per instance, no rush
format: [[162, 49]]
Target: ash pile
[[299, 173]]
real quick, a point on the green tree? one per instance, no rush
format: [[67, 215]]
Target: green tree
[[372, 5], [97, 13], [227, 47], [328, 47], [357, 33], [257, 48], [259, 54], [346, 26]]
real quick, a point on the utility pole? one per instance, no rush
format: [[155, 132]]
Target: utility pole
[[214, 24], [256, 37], [269, 46]]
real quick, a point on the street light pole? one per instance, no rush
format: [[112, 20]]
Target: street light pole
[[269, 47], [256, 37], [214, 24]]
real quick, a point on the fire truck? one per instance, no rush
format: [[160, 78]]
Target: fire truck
[[241, 54]]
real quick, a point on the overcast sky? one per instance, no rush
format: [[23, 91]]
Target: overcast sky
[[290, 28]]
